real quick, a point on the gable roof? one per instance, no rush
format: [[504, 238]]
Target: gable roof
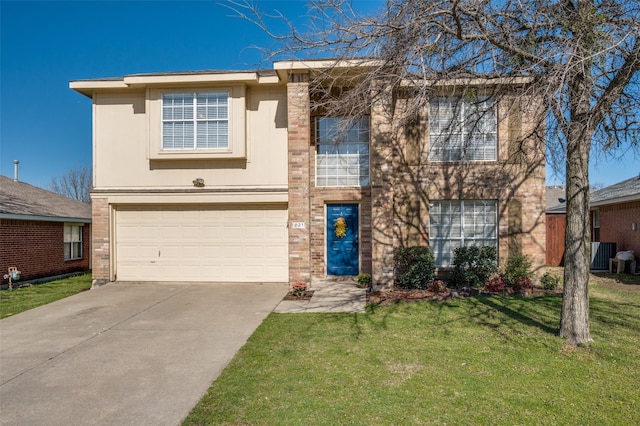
[[554, 195], [19, 200], [621, 192]]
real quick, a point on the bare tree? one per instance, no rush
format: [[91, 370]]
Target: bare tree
[[76, 183], [581, 57]]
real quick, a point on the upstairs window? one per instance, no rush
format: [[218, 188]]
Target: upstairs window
[[462, 129], [342, 157], [195, 121], [72, 242]]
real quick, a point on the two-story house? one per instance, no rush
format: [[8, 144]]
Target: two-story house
[[233, 176]]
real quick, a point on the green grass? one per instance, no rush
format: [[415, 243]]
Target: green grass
[[25, 298], [473, 361]]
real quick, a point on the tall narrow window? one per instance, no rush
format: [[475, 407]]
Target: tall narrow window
[[342, 157], [462, 129], [195, 120], [72, 242], [595, 235], [454, 223]]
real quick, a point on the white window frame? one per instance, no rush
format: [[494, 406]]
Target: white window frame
[[466, 223], [72, 240], [197, 116], [345, 160], [595, 233], [463, 129]]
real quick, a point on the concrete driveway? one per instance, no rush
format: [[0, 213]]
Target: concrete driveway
[[125, 353]]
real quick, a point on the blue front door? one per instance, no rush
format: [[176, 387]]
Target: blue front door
[[342, 239]]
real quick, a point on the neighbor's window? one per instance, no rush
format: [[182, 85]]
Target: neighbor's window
[[595, 235], [195, 120], [342, 157], [462, 129], [72, 242], [454, 223]]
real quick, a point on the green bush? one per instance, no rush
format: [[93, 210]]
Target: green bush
[[517, 268], [364, 280], [473, 266], [414, 267], [549, 282]]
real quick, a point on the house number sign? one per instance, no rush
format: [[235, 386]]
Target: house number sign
[[298, 225]]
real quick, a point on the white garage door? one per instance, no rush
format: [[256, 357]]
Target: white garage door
[[232, 244]]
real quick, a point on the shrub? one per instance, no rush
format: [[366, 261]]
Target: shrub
[[522, 283], [496, 285], [438, 286], [414, 267], [364, 280], [549, 282], [517, 267], [472, 266]]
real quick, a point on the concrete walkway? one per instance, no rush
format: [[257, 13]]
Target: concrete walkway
[[125, 354], [328, 297]]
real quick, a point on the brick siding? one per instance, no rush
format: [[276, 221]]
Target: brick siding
[[616, 226], [101, 254], [298, 177], [394, 210], [36, 248]]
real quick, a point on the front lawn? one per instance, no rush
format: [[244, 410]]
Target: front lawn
[[484, 360], [22, 299]]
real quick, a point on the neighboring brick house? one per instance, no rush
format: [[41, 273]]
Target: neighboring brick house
[[42, 233], [615, 215], [230, 176]]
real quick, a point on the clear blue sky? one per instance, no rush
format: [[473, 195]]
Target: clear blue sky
[[44, 45]]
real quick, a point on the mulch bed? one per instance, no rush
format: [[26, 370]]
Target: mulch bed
[[305, 295], [385, 298]]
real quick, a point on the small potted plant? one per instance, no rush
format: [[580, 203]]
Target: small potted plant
[[364, 280]]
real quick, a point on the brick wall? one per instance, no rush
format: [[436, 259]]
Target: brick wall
[[36, 248], [307, 203], [404, 182], [384, 175], [394, 210], [101, 253], [616, 226], [298, 177]]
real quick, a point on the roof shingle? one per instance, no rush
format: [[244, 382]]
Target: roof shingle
[[627, 190], [19, 198]]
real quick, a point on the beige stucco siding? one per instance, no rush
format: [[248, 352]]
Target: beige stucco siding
[[119, 130], [122, 127]]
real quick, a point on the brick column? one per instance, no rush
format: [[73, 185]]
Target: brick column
[[382, 193], [299, 133], [100, 244]]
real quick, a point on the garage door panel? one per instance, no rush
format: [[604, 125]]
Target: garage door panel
[[276, 252], [202, 244]]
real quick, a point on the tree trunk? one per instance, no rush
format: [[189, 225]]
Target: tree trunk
[[574, 322]]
